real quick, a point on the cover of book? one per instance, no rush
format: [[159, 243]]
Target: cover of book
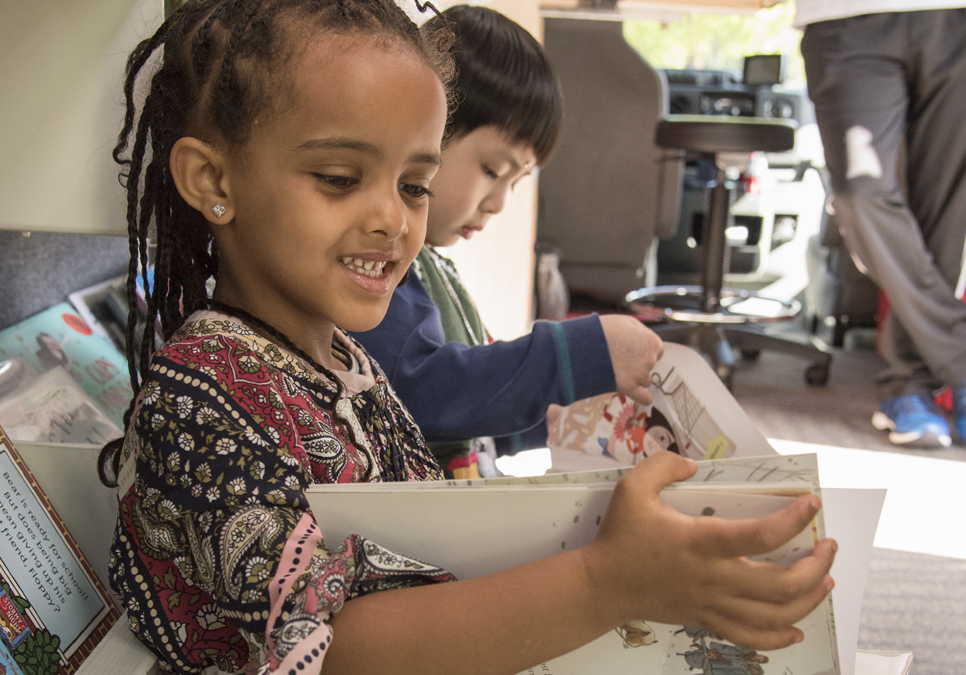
[[60, 338], [53, 608]]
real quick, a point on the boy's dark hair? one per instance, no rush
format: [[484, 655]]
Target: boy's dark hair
[[504, 79], [216, 68]]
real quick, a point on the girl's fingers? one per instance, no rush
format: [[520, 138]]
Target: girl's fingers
[[764, 625], [766, 615], [754, 638], [770, 583], [733, 538], [658, 471]]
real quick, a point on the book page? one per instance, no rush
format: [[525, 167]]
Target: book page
[[53, 608], [481, 526]]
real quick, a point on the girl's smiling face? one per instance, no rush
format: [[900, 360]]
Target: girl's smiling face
[[329, 196]]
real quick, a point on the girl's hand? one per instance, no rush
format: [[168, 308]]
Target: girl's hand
[[634, 349], [651, 562]]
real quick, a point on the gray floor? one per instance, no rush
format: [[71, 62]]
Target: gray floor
[[913, 602]]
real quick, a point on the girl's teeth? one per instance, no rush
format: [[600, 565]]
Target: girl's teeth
[[370, 268]]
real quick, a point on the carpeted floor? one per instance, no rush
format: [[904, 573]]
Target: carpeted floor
[[913, 601]]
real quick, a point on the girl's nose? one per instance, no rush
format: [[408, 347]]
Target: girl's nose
[[388, 216]]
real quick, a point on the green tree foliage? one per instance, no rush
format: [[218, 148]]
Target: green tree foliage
[[721, 41], [38, 654]]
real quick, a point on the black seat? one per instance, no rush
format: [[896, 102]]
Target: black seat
[[709, 317], [609, 190]]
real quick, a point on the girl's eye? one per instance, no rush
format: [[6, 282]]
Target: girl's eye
[[415, 191], [338, 182], [490, 173]]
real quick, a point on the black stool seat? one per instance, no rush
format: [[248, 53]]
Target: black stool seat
[[709, 134], [709, 317]]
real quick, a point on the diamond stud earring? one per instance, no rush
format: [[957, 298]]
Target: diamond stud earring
[[219, 210]]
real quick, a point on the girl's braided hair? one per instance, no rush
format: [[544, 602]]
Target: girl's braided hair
[[218, 69]]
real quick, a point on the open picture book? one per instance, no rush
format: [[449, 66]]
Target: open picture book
[[479, 526]]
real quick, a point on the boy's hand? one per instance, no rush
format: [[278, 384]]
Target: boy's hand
[[650, 562], [634, 349]]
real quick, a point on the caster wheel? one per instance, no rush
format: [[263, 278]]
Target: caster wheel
[[750, 354], [816, 374]]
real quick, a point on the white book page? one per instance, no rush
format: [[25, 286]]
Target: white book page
[[486, 528]]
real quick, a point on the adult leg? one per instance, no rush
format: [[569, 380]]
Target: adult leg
[[936, 144], [857, 73]]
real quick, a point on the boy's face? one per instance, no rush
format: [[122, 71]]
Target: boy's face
[[478, 171]]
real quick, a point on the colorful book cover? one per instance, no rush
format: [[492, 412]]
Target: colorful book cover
[[7, 665], [692, 414], [59, 337], [53, 608]]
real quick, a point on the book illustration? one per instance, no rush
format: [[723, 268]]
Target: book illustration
[[692, 414], [8, 666], [635, 634], [694, 650], [773, 469], [53, 609], [13, 624], [615, 427], [52, 407], [60, 338], [14, 373]]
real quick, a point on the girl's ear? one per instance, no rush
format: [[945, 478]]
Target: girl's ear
[[199, 172]]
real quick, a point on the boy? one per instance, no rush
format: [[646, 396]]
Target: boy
[[459, 385]]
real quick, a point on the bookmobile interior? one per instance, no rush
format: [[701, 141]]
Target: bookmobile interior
[[63, 240]]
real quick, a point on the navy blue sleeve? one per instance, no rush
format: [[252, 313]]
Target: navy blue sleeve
[[456, 392]]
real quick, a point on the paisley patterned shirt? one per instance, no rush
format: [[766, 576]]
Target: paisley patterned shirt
[[216, 555]]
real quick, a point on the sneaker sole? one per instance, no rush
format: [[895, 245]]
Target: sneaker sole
[[929, 439]]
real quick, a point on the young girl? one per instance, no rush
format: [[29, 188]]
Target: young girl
[[284, 148]]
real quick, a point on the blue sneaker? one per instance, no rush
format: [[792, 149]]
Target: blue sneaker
[[913, 420], [959, 410]]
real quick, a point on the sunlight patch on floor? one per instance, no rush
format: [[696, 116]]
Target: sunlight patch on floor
[[923, 511]]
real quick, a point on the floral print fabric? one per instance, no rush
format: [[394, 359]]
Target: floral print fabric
[[216, 556]]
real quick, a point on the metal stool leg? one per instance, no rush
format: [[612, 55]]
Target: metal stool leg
[[714, 241]]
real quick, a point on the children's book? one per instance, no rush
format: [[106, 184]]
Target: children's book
[[52, 407], [60, 338], [476, 527], [692, 414], [53, 608], [480, 526], [97, 304]]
